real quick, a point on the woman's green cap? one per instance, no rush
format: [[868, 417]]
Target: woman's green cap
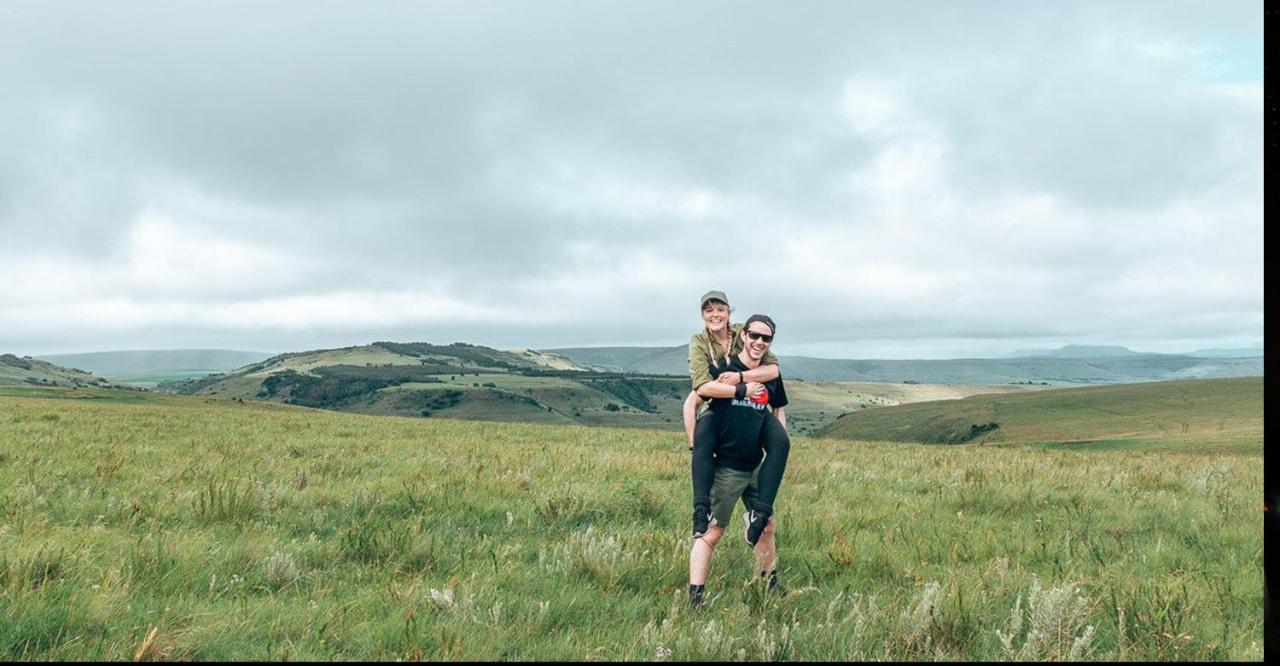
[[713, 295]]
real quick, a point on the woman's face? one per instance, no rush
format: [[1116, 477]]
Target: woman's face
[[716, 316]]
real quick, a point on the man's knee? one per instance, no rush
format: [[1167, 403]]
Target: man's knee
[[712, 537]]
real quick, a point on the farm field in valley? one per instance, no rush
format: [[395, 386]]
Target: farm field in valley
[[253, 530]]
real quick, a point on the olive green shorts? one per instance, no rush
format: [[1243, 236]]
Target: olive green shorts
[[729, 486]]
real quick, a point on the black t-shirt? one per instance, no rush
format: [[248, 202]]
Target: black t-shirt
[[739, 422]]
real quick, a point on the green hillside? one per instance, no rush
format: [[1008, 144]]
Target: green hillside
[[27, 371], [1224, 413], [455, 381], [143, 526]]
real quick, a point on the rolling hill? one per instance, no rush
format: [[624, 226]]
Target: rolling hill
[[458, 381], [1224, 413], [27, 371]]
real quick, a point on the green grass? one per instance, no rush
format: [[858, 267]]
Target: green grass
[[1224, 414], [263, 531]]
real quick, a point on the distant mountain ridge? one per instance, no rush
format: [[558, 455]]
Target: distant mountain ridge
[[1071, 365], [1245, 352], [1114, 351], [1075, 351], [150, 362]]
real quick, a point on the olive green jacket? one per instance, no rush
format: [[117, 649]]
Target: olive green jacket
[[704, 351]]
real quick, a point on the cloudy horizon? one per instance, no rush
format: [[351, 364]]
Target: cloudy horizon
[[887, 180]]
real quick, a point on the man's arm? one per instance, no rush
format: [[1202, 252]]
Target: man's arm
[[781, 413]]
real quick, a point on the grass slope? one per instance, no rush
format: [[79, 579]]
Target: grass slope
[[27, 371], [254, 531], [1219, 412]]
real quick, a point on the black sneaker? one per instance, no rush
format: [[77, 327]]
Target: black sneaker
[[773, 586], [695, 596], [756, 522], [702, 521]]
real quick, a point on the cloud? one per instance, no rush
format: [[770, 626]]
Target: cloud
[[573, 174]]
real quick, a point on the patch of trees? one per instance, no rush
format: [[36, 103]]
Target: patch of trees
[[437, 400], [189, 386], [975, 431], [636, 392], [10, 359], [331, 385], [325, 392]]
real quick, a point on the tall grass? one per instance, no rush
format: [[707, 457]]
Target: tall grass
[[251, 531]]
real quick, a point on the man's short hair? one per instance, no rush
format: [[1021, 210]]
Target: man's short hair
[[763, 319]]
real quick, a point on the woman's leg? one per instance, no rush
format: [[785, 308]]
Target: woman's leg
[[777, 446], [690, 414], [703, 470]]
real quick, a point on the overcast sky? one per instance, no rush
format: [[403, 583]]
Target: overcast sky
[[886, 179]]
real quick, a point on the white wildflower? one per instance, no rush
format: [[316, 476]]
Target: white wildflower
[[279, 570], [441, 598], [919, 619]]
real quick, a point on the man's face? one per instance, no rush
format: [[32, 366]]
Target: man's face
[[757, 337]]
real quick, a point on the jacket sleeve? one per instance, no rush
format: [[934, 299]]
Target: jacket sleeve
[[699, 374]]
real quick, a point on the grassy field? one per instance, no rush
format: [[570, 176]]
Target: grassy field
[[180, 527], [1205, 413]]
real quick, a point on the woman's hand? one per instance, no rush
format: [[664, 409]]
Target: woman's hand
[[754, 389], [731, 378]]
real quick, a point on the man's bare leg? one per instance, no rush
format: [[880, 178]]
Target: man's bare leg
[[766, 550], [700, 557]]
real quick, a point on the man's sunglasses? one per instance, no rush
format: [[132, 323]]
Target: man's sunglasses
[[759, 336]]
